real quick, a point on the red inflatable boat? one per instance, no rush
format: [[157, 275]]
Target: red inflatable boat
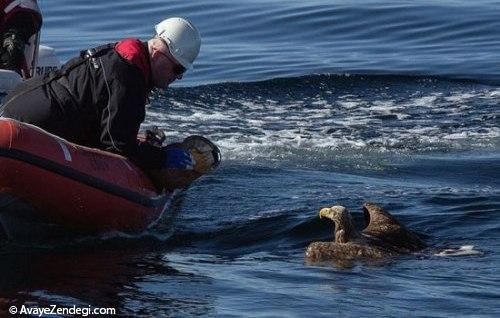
[[47, 180]]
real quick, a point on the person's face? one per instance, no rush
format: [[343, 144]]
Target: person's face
[[164, 67]]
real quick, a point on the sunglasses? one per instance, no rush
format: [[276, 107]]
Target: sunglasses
[[177, 69]]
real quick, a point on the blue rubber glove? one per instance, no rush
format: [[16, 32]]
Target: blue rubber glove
[[178, 158]]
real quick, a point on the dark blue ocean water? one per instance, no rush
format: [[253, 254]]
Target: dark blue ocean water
[[313, 103]]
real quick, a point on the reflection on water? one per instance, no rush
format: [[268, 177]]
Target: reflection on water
[[133, 278]]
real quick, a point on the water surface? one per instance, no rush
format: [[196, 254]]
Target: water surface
[[313, 104]]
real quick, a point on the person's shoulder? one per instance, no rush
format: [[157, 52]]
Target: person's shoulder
[[135, 54], [125, 54], [130, 42], [130, 49]]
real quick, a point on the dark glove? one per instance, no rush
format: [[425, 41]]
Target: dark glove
[[178, 158], [155, 136]]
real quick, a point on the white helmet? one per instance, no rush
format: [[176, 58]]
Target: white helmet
[[183, 39]]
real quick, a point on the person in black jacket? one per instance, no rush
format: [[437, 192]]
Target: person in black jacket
[[20, 24], [98, 98]]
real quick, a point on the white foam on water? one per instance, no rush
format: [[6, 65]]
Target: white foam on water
[[459, 97], [251, 126], [350, 104], [426, 101], [385, 107], [495, 93], [465, 250]]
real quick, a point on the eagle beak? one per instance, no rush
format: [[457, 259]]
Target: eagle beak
[[323, 212]]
